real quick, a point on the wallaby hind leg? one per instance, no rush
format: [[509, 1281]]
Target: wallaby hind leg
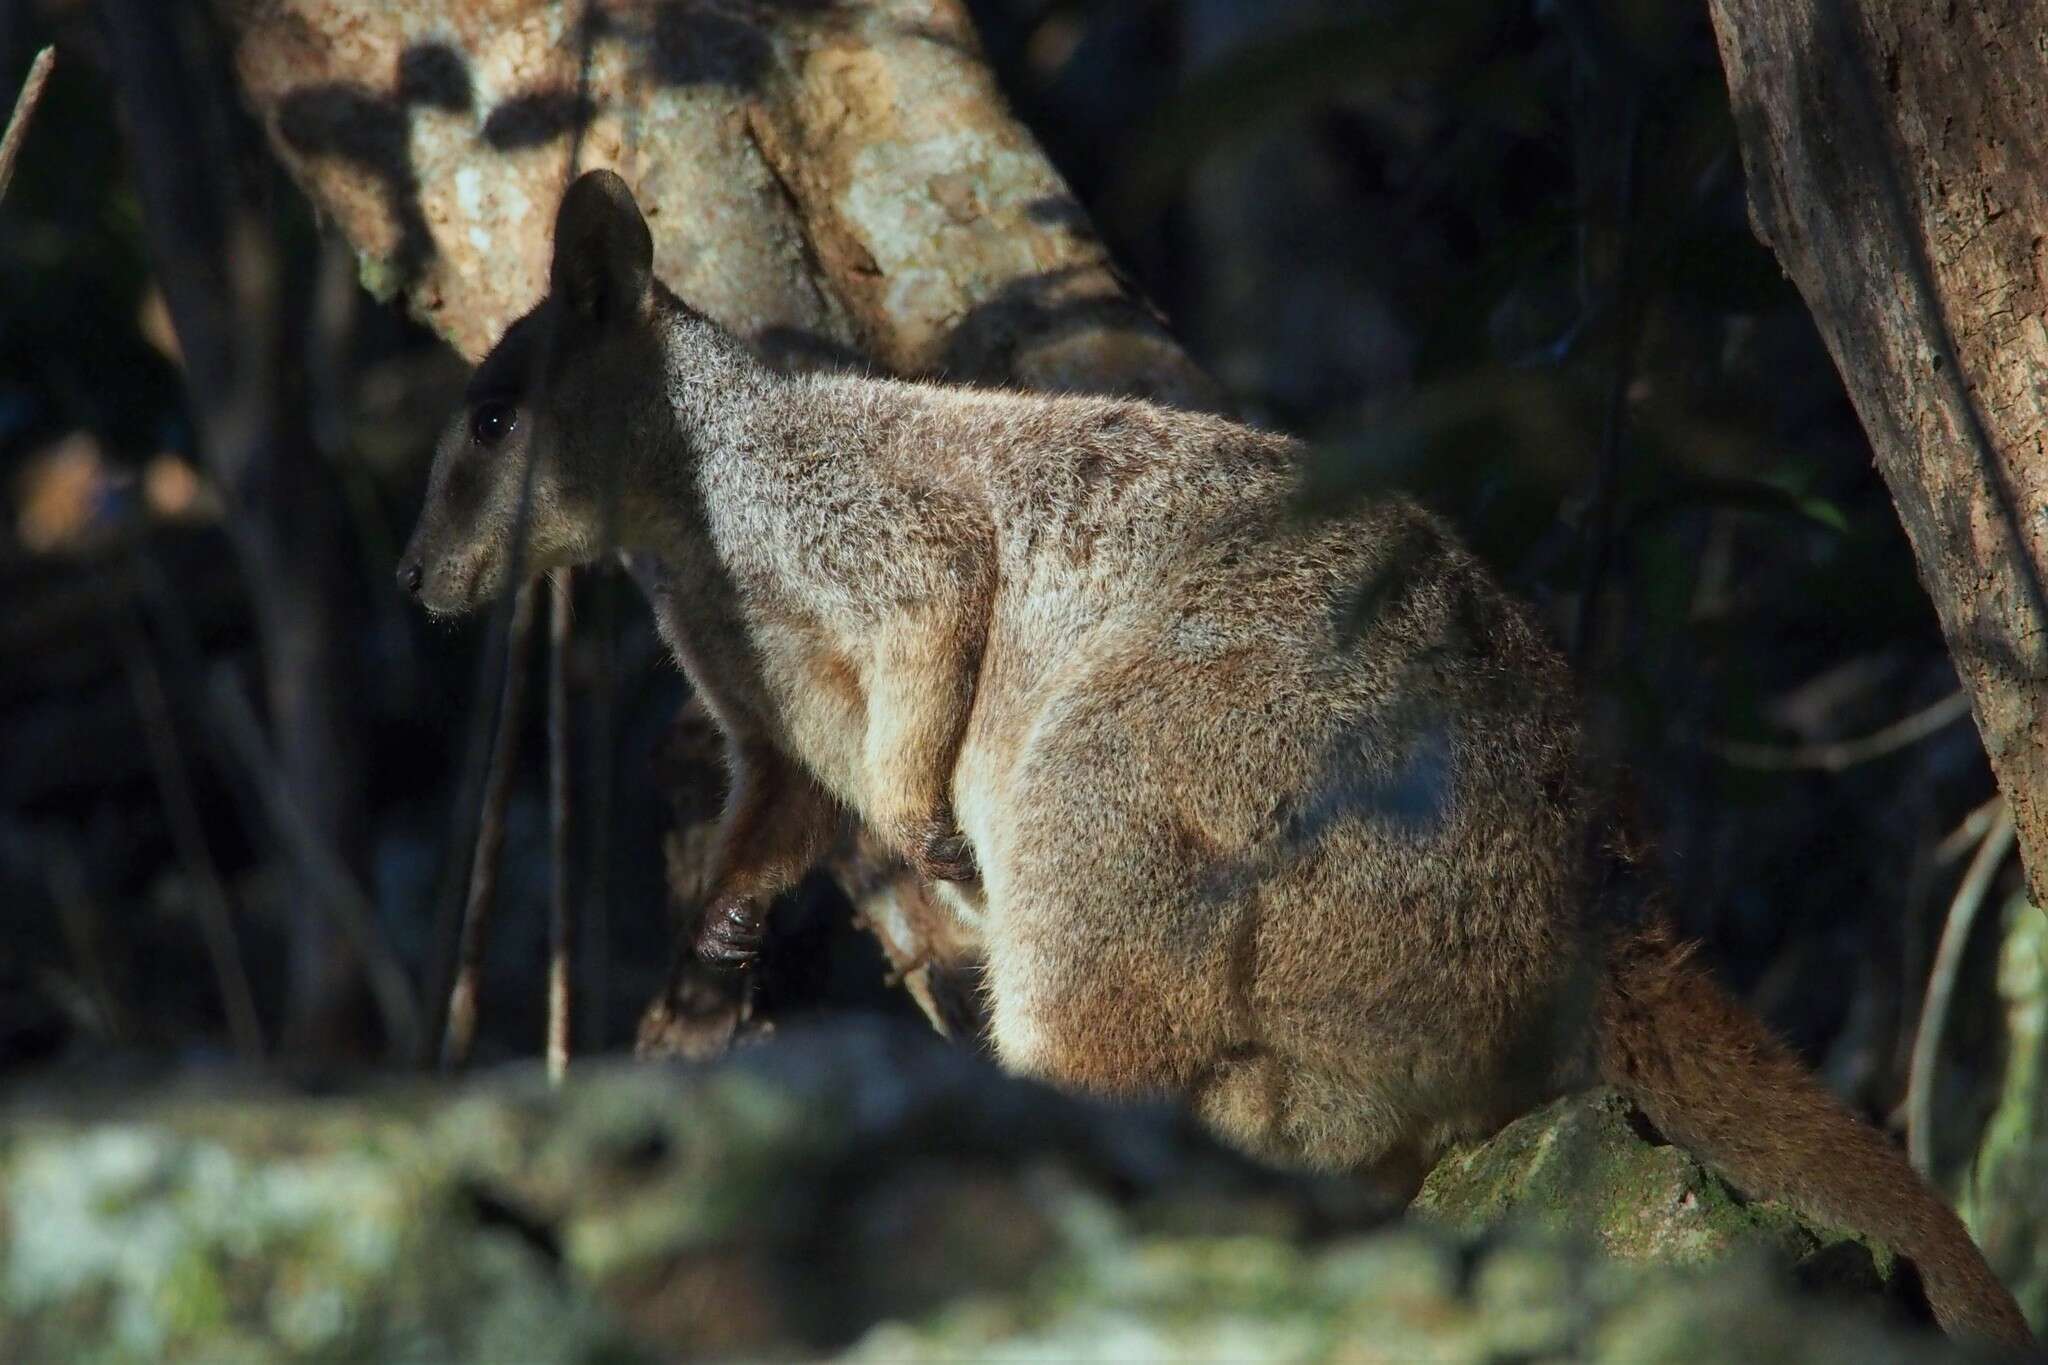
[[921, 687], [1284, 1111], [1121, 971], [777, 822], [1107, 1021]]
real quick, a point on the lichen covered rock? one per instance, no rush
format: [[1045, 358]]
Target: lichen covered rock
[[867, 1193], [1590, 1166]]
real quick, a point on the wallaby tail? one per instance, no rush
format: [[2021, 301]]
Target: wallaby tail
[[1713, 1080]]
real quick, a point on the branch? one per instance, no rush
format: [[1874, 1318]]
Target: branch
[[477, 910], [832, 182], [562, 907], [1941, 988], [333, 885], [1833, 756], [174, 789], [24, 110]]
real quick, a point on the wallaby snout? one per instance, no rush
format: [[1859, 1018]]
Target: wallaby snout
[[462, 550], [521, 471]]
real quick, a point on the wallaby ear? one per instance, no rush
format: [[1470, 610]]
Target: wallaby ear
[[604, 255]]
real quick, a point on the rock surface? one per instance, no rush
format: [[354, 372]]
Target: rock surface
[[1591, 1166], [869, 1193]]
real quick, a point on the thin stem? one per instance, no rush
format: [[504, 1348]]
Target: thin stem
[[330, 879], [481, 903], [1941, 987], [1967, 835], [174, 789], [512, 622], [562, 911], [334, 887], [24, 110], [1623, 311], [83, 925], [603, 758], [1833, 756]]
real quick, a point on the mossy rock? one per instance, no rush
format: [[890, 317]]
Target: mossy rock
[[864, 1192], [1591, 1166], [1413, 1293]]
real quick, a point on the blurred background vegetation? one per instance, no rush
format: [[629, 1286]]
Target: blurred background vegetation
[[1490, 252]]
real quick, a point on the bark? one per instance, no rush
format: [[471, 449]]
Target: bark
[[1894, 151], [838, 180], [825, 174]]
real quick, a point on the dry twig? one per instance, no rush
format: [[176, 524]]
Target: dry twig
[[1941, 986], [330, 880], [24, 110], [460, 1035], [1833, 756], [174, 788], [332, 885], [83, 923], [562, 910]]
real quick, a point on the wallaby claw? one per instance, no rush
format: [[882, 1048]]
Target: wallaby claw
[[943, 854], [730, 937]]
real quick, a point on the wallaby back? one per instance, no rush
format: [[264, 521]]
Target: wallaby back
[[1712, 1078]]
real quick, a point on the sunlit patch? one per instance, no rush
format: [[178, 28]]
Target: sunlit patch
[[173, 490], [65, 496], [153, 320]]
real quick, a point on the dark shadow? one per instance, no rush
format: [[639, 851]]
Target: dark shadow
[[1063, 211], [695, 44], [537, 118], [372, 130], [1407, 794], [707, 42], [797, 350], [1413, 794], [434, 76], [929, 33], [1028, 313]]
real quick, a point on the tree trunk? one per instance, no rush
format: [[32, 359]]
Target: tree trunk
[[833, 181], [1895, 152]]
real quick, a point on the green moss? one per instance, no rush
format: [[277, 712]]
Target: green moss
[[643, 1213], [1583, 1166], [192, 1299], [380, 276]]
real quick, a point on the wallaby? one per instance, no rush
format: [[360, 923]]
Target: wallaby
[[1281, 816]]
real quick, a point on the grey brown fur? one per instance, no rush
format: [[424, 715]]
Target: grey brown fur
[[1284, 818]]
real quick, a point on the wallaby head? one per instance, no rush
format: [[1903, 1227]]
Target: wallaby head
[[553, 418]]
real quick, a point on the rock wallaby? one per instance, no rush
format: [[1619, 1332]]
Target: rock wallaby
[[1283, 817]]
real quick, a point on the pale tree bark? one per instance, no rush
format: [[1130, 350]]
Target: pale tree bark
[[1895, 152], [836, 180]]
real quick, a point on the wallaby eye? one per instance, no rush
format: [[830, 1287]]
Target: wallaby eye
[[492, 422]]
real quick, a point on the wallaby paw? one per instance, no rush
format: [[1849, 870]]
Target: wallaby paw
[[941, 853], [730, 937]]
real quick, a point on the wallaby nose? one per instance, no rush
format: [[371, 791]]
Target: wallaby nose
[[410, 576]]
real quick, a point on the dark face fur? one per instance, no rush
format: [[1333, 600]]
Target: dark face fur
[[541, 421]]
